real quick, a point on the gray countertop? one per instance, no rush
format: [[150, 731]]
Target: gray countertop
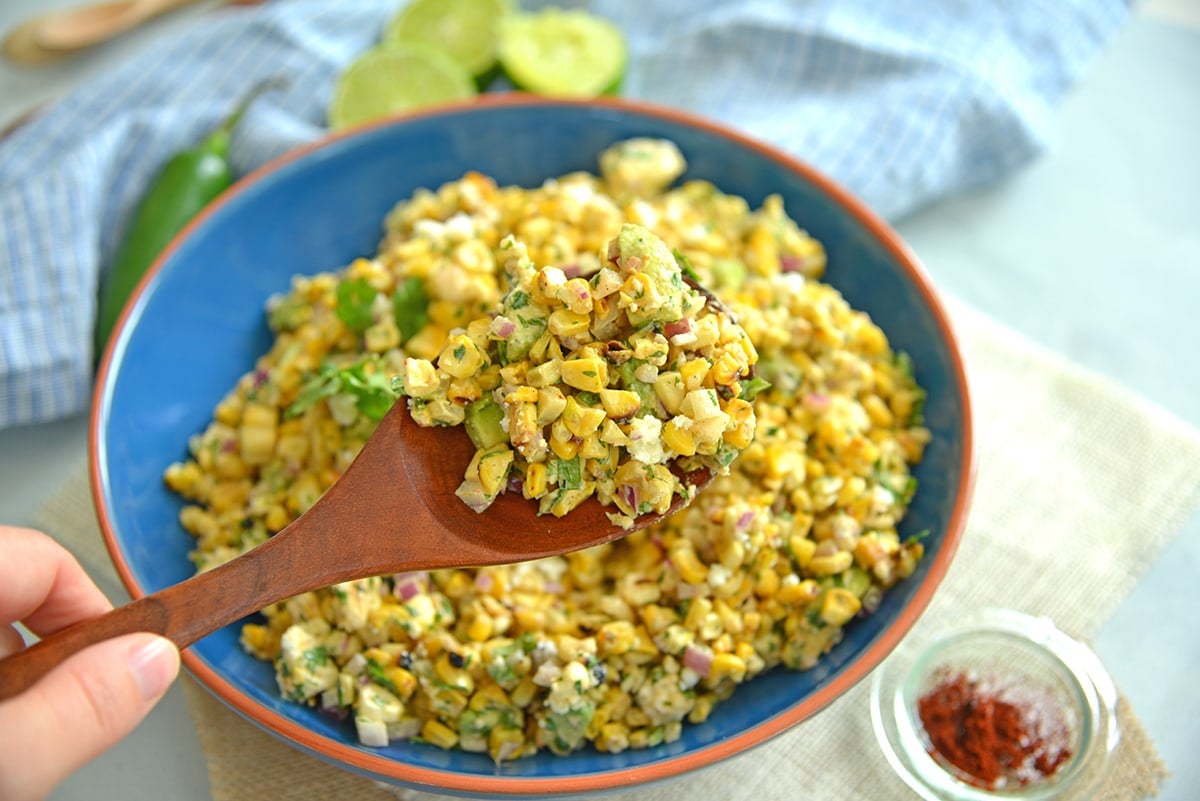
[[1092, 251]]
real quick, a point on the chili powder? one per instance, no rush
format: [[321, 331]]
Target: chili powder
[[995, 733]]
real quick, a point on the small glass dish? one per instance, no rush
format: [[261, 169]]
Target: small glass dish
[[997, 647]]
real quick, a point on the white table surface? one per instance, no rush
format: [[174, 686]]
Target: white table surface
[[1093, 250]]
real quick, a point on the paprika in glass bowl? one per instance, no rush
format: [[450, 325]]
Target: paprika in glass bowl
[[998, 704]]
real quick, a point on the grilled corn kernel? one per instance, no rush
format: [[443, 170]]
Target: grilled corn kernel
[[461, 357], [588, 374], [620, 403], [534, 485], [580, 420], [729, 666], [677, 435], [689, 566], [437, 733], [839, 606], [832, 564]]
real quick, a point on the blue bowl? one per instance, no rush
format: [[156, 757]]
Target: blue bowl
[[196, 324]]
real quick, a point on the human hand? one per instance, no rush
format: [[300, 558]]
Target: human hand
[[90, 701]]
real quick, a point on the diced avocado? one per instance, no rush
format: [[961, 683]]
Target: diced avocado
[[643, 390], [728, 273], [483, 423]]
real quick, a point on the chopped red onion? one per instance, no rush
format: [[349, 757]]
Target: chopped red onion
[[698, 659], [632, 263], [406, 585], [791, 264], [572, 270], [745, 520], [502, 327], [484, 581], [678, 327], [816, 402]]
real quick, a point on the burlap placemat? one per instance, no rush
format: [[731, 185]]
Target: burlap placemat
[[1080, 486]]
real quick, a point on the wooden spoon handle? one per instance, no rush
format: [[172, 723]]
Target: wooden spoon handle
[[183, 613]]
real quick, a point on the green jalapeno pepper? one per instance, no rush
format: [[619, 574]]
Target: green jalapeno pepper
[[188, 182]]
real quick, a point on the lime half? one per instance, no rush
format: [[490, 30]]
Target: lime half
[[394, 79], [562, 53], [465, 30]]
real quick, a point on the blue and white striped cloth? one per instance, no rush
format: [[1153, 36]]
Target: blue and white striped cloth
[[902, 101]]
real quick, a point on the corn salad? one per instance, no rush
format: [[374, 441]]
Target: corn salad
[[618, 646], [603, 382]]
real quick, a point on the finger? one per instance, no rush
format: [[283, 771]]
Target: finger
[[42, 585], [11, 641], [80, 709]]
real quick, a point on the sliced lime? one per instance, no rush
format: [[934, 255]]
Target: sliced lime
[[394, 79], [465, 29], [562, 53]]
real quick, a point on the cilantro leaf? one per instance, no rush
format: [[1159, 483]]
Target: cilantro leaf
[[354, 299], [410, 306]]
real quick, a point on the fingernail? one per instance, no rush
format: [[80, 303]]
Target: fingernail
[[155, 664]]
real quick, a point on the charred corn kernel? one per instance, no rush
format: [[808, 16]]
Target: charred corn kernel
[[428, 342], [577, 295], [546, 375], [677, 435], [463, 391], [869, 551], [403, 680], [731, 552], [670, 389], [839, 606], [613, 738], [382, 337], [380, 656], [567, 449], [593, 448], [257, 443], [688, 565], [692, 373], [589, 374], [530, 619], [729, 666], [726, 369], [277, 518], [260, 415], [656, 618], [494, 465], [742, 423], [615, 638], [461, 357], [581, 420], [524, 693], [800, 592], [550, 404], [620, 403], [830, 565], [534, 485], [878, 411], [766, 584], [455, 677], [802, 549], [437, 733], [566, 323], [420, 378], [505, 743], [611, 434]]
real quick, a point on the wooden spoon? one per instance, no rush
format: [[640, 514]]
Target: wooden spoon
[[393, 510], [60, 33]]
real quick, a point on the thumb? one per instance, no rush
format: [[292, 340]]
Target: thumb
[[79, 710]]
